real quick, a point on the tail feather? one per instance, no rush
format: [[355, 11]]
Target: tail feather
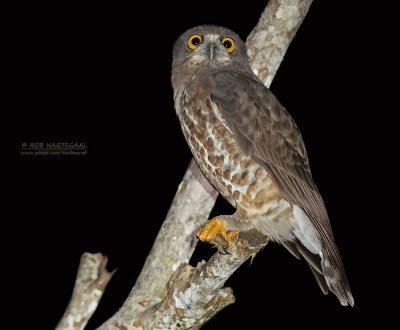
[[332, 266], [312, 259], [328, 270], [292, 248], [335, 275], [298, 250], [320, 280]]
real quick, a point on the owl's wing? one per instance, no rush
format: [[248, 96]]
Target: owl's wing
[[264, 130]]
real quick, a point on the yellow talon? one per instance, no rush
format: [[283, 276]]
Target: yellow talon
[[212, 228], [253, 255], [231, 235]]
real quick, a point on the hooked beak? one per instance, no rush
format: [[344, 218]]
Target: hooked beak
[[211, 50]]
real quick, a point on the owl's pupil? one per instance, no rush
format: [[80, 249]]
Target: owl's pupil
[[227, 44], [195, 41]]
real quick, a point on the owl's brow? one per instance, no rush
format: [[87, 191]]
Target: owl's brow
[[212, 36]]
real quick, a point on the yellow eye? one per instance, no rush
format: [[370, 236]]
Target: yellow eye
[[229, 44], [194, 41]]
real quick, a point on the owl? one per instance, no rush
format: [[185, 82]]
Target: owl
[[250, 149]]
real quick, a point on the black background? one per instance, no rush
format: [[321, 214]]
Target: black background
[[100, 74]]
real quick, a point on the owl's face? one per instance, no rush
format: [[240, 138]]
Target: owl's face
[[211, 46]]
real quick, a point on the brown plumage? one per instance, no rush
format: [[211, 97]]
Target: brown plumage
[[251, 150]]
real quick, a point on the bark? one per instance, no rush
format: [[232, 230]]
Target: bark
[[173, 246], [195, 295], [91, 281], [169, 293], [271, 37]]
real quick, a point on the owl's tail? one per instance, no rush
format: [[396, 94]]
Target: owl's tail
[[328, 270]]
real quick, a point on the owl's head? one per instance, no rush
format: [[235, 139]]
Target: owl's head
[[209, 45]]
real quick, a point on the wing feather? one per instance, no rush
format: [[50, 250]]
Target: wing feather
[[265, 130]]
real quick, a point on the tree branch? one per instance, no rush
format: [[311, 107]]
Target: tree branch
[[271, 37], [195, 295], [91, 281], [167, 285], [173, 246]]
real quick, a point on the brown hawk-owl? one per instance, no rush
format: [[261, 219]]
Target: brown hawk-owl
[[250, 149]]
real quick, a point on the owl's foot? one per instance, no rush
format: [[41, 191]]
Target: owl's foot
[[212, 228]]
